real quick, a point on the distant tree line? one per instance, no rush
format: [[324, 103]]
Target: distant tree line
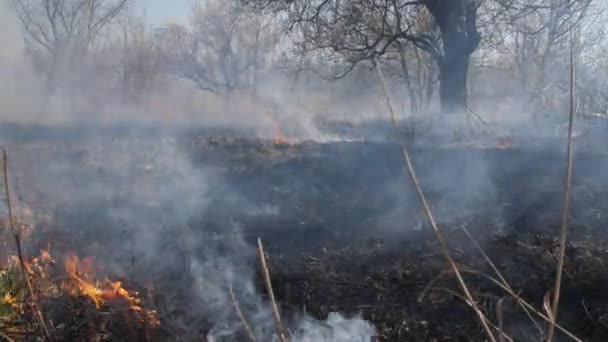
[[437, 52]]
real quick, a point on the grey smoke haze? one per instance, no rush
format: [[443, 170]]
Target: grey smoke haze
[[139, 197], [12, 43], [94, 99], [144, 198], [151, 192]]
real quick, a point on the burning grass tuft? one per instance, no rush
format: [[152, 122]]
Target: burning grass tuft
[[76, 304]]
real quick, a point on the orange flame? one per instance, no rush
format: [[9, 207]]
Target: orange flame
[[83, 283], [278, 138], [38, 264]]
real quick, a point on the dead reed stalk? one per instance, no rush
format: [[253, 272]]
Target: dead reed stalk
[[527, 304], [34, 301], [429, 215], [503, 284], [239, 312], [563, 235], [275, 309], [501, 277]]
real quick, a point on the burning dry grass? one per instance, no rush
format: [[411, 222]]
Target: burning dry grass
[[36, 287], [76, 304], [78, 300], [83, 295], [81, 281]]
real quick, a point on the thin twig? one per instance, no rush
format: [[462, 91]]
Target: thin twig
[[566, 203], [275, 308], [239, 312], [547, 306], [431, 283], [521, 301], [499, 275], [499, 317], [431, 218], [525, 303], [498, 329], [11, 220]]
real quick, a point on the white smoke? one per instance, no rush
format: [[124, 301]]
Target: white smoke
[[336, 328], [152, 190]]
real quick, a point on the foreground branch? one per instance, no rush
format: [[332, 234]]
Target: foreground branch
[[34, 304], [431, 218]]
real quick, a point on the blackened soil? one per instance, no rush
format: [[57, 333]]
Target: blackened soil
[[344, 231]]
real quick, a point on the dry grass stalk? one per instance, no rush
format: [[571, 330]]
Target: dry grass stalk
[[34, 304], [501, 277], [239, 312], [526, 304], [429, 215], [501, 333], [499, 318], [566, 202], [547, 306], [275, 309]]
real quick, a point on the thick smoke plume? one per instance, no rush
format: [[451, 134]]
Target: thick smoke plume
[[141, 196], [148, 202], [118, 178]]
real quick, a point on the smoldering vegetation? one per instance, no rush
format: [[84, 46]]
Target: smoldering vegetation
[[341, 236], [164, 152]]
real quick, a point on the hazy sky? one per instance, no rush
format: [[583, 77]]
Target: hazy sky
[[160, 11]]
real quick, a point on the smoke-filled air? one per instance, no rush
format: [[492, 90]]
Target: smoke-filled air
[[303, 170]]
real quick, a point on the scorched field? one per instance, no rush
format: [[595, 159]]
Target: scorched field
[[152, 235]]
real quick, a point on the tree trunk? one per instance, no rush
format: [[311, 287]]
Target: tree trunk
[[457, 22], [453, 72]]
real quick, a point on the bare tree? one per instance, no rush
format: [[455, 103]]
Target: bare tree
[[416, 68], [265, 35], [224, 42], [592, 84], [61, 32], [541, 34], [366, 30], [535, 34], [138, 62]]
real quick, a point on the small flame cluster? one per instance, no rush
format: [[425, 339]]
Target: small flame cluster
[[78, 281], [279, 139], [81, 281]]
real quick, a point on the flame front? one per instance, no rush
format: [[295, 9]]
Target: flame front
[[82, 282], [278, 138]]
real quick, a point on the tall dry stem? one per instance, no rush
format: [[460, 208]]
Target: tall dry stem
[[563, 235], [17, 237], [429, 215], [239, 312], [275, 308]]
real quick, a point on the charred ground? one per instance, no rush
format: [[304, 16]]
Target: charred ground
[[340, 222]]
